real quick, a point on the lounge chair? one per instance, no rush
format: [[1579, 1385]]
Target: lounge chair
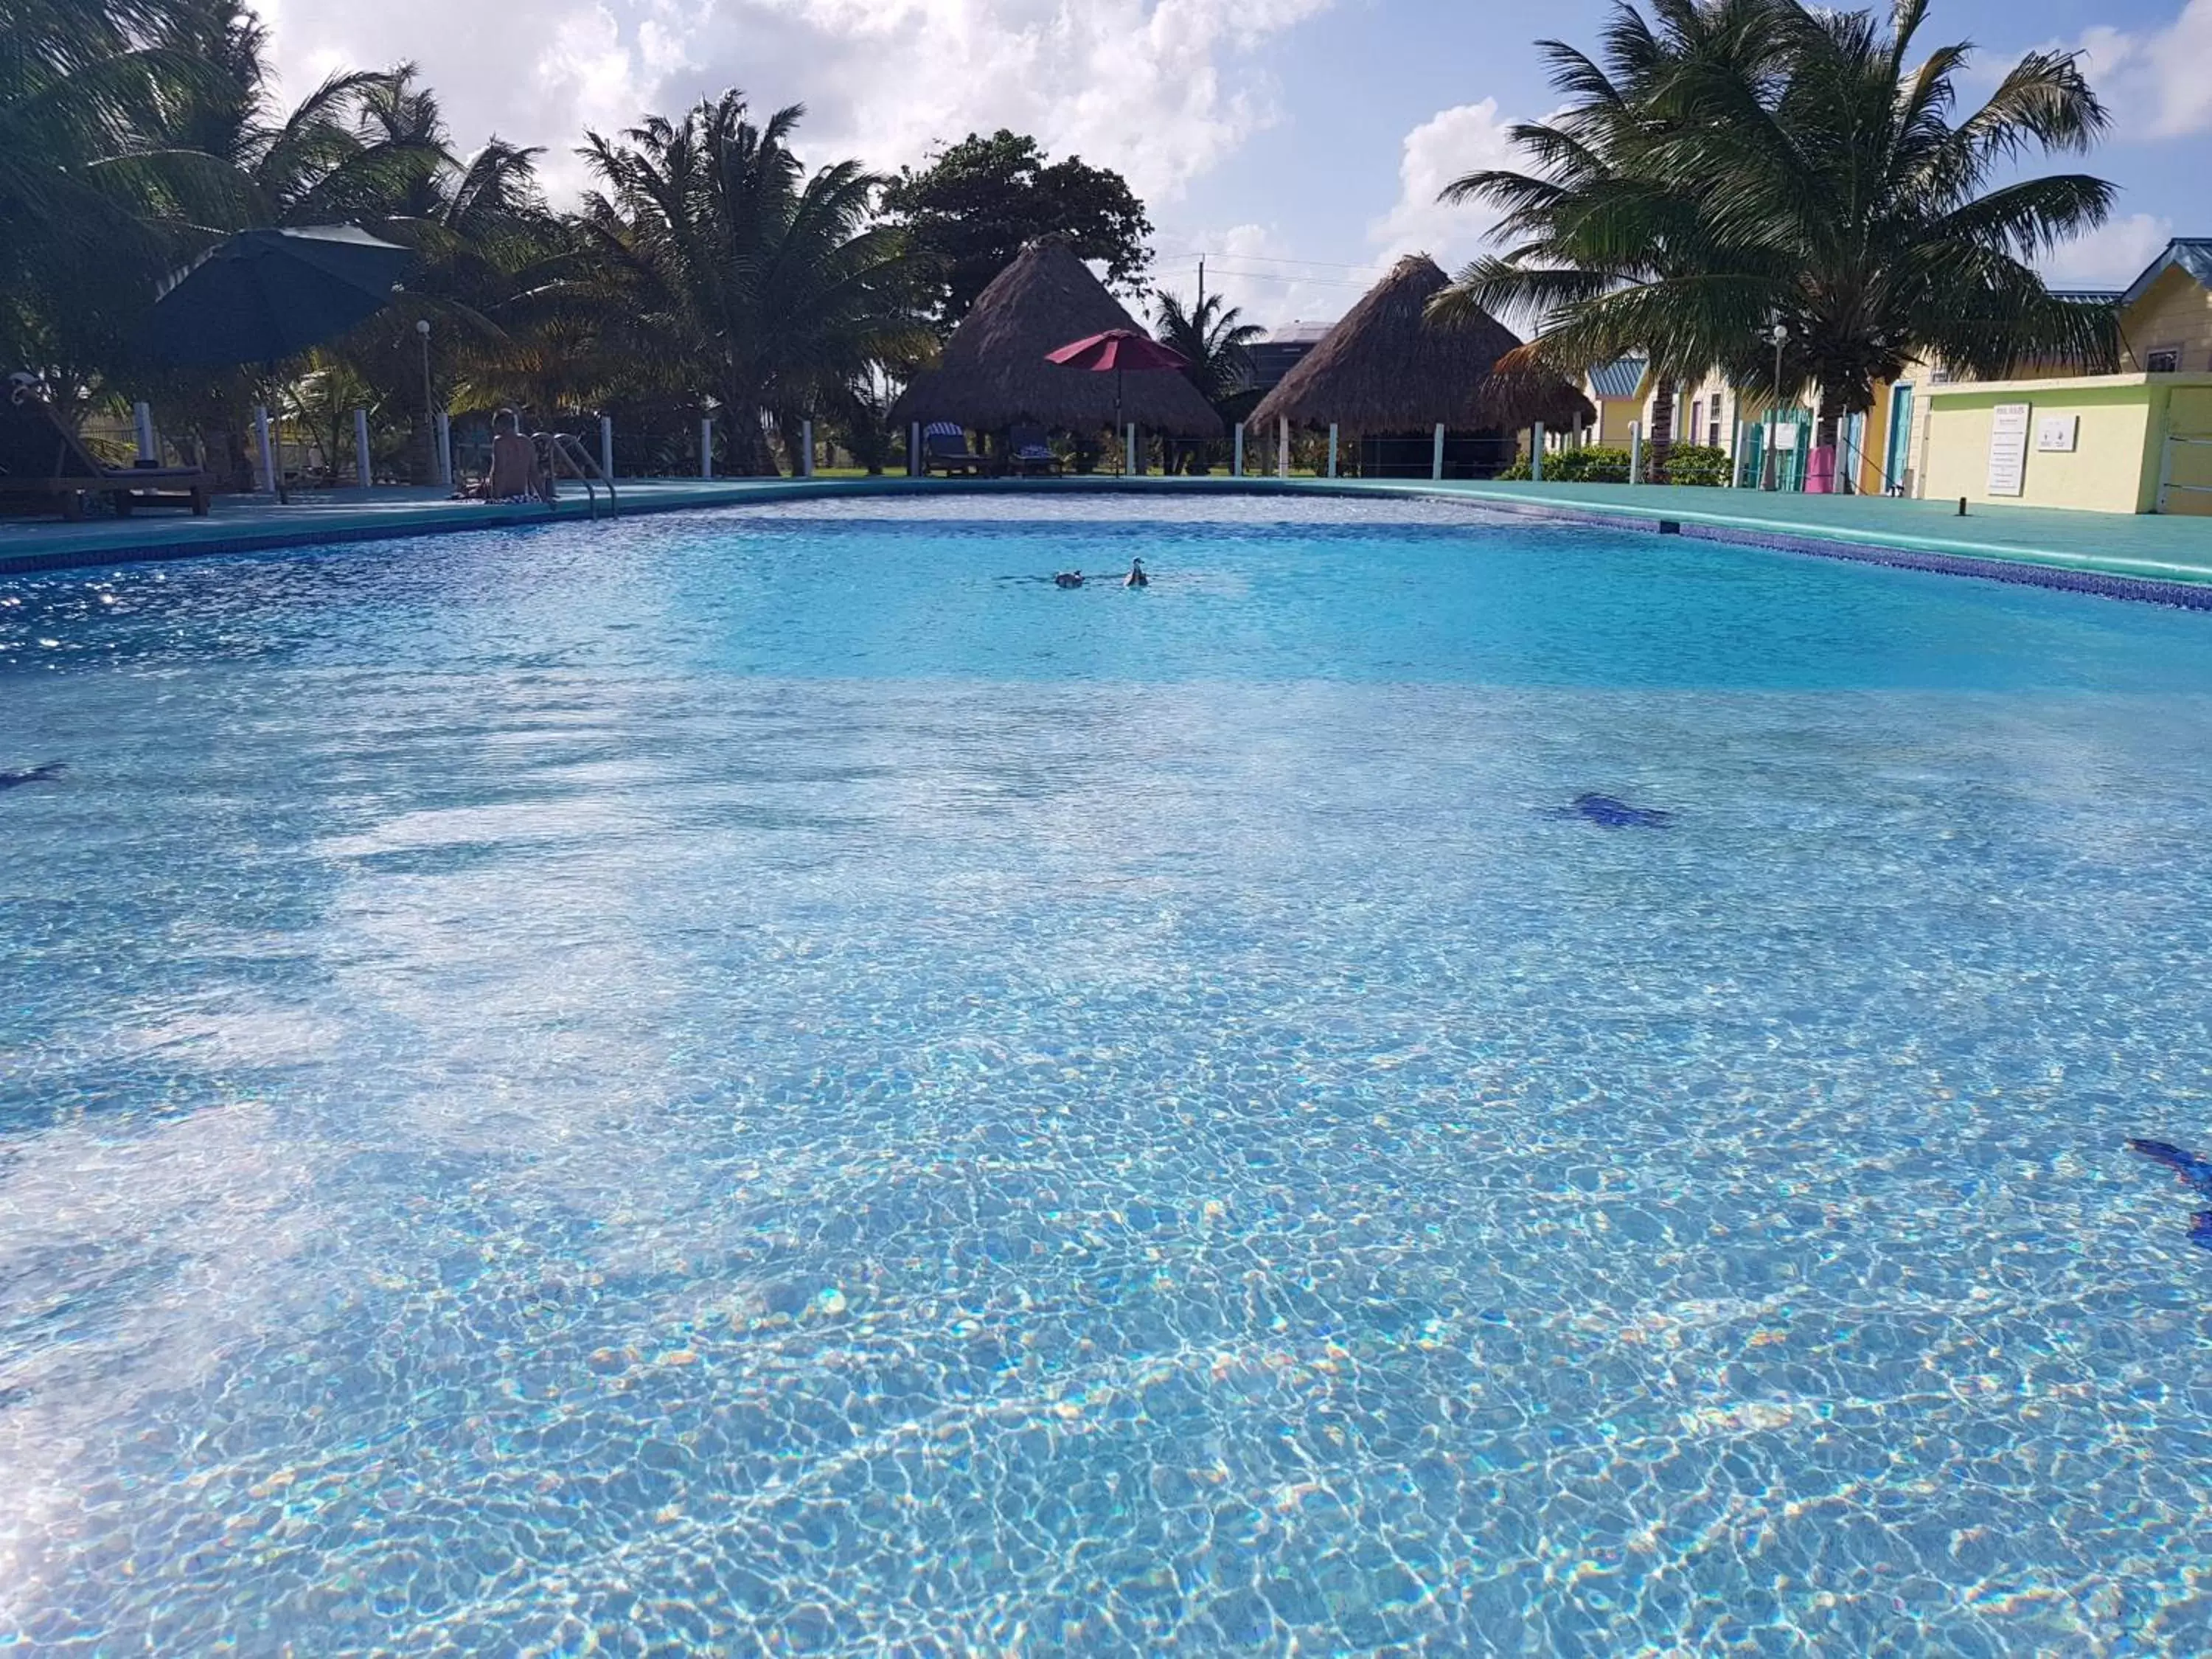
[[1029, 454], [40, 457], [944, 449]]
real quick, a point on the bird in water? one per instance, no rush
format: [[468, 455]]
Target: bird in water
[[1614, 814], [1136, 578], [45, 774], [2196, 1173], [1068, 579]]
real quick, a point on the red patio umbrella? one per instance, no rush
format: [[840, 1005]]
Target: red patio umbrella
[[1117, 349]]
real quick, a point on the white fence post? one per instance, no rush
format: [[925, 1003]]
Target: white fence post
[[1537, 452], [806, 449], [442, 428], [1237, 460], [267, 447], [1437, 456], [607, 445], [1636, 452], [706, 446], [1332, 449], [142, 416], [361, 447]]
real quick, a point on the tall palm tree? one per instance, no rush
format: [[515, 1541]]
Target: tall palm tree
[[735, 270], [1731, 165], [88, 194], [1211, 338]]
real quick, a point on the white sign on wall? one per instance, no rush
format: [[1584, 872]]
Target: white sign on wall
[[2057, 434], [2008, 449]]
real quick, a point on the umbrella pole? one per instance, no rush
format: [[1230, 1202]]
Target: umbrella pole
[[1120, 431]]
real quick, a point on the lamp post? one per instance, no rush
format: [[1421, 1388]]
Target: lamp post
[[430, 409], [1779, 334]]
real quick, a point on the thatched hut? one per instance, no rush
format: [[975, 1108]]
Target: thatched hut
[[1389, 375], [992, 373]]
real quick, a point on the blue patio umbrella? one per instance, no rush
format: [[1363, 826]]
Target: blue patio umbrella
[[263, 296]]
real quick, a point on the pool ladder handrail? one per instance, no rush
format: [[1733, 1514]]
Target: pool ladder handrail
[[566, 447]]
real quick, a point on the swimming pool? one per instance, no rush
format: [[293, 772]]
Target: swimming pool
[[772, 1082]]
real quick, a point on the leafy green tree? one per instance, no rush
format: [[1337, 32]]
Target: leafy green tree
[[976, 205], [1729, 164], [727, 268]]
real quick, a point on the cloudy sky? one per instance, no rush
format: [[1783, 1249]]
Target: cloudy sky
[[1298, 144]]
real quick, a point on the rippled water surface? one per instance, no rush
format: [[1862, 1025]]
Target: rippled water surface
[[771, 1082]]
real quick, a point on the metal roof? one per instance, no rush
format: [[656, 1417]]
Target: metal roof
[[2192, 253], [1622, 378]]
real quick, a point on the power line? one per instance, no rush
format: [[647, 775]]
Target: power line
[[1292, 279], [1267, 259]]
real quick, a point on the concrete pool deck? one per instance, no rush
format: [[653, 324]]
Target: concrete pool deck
[[2162, 558]]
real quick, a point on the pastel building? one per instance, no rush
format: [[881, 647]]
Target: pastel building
[[2136, 442]]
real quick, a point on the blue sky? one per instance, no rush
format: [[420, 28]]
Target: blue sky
[[1299, 143]]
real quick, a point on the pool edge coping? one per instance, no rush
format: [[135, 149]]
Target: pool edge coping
[[2023, 567]]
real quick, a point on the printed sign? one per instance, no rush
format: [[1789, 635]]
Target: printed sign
[[2008, 449], [1785, 435], [2057, 434]]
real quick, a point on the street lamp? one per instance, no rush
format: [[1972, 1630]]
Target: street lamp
[[1779, 334], [429, 413]]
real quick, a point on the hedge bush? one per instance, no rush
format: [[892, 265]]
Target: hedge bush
[[1598, 465], [1697, 463], [1686, 464]]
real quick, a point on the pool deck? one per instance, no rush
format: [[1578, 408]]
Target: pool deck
[[2159, 558]]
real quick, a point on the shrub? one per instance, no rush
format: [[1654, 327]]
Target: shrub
[[1697, 463], [1597, 465]]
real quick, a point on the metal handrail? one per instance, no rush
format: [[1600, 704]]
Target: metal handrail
[[565, 447], [547, 445], [588, 468]]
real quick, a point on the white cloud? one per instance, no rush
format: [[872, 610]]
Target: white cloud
[[2111, 256], [1449, 144], [1163, 90], [2155, 80]]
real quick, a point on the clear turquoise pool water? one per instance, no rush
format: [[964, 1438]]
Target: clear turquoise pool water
[[771, 1082]]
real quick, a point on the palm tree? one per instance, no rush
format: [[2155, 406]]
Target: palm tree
[[88, 195], [1735, 164], [731, 271], [1211, 338]]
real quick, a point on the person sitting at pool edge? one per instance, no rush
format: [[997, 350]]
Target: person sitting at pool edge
[[1136, 578], [515, 474]]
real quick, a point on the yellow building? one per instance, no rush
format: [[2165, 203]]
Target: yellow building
[[2165, 315], [1617, 391], [2137, 441], [2100, 443]]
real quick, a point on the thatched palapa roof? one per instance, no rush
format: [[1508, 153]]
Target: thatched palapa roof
[[1385, 366], [992, 373]]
